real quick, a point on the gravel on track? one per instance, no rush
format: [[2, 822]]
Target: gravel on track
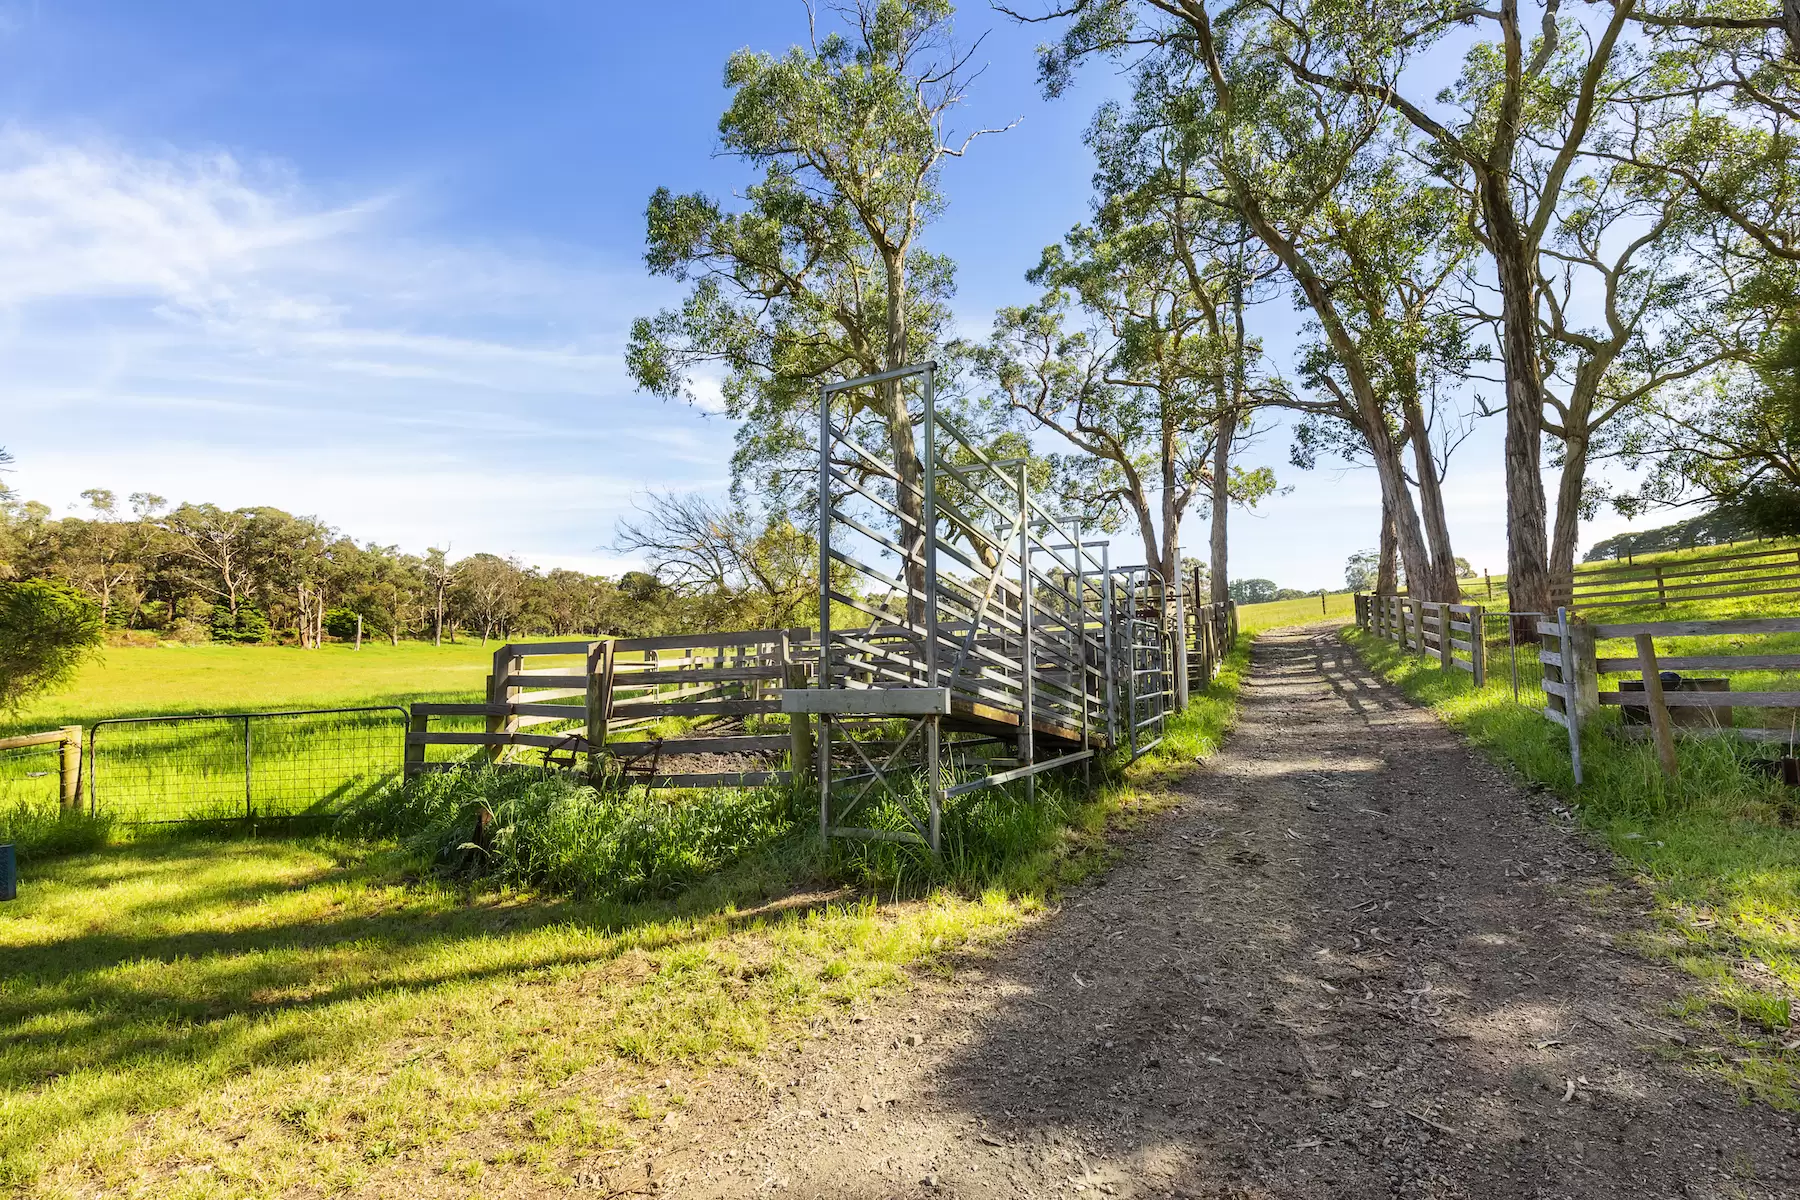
[[1353, 961]]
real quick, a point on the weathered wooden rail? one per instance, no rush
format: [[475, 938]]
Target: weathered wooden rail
[[1732, 575], [708, 683], [67, 741], [1207, 633], [1450, 633], [1574, 669]]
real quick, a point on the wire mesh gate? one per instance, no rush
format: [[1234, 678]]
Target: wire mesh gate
[[245, 766], [968, 635]]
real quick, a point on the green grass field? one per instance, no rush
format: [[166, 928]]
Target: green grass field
[[141, 681], [249, 1017], [1277, 613], [183, 770]]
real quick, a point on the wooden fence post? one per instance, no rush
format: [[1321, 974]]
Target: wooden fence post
[[599, 702], [1478, 644], [800, 732], [1660, 730], [505, 663], [1584, 681], [71, 768], [1446, 644], [414, 758]]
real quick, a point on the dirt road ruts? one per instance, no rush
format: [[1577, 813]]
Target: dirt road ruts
[[1354, 961]]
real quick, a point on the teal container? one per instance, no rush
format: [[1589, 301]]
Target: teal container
[[9, 872]]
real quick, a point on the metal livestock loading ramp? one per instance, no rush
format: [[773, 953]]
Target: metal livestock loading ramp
[[983, 620]]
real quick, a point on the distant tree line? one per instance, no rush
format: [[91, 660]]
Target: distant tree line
[[196, 572]]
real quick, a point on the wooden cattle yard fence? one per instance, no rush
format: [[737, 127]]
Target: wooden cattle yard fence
[[1671, 706], [712, 682], [968, 636], [1450, 633], [1732, 575]]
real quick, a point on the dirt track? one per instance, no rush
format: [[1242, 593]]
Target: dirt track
[[1354, 961]]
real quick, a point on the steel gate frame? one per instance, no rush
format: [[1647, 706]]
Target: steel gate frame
[[1011, 636]]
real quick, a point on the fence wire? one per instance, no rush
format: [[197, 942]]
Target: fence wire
[[247, 766], [31, 777], [1513, 664]]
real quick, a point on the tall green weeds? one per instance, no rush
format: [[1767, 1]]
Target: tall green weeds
[[543, 829], [547, 831]]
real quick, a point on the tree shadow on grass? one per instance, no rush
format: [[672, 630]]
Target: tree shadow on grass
[[172, 1013]]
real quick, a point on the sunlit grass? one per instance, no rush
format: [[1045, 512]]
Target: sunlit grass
[[257, 1017], [1304, 611], [143, 681]]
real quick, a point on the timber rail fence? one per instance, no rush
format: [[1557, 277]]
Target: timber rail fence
[[1661, 704], [1730, 575], [1454, 634]]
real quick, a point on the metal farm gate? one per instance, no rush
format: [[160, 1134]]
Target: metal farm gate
[[242, 766]]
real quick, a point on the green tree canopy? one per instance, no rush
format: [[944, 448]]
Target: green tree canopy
[[46, 631]]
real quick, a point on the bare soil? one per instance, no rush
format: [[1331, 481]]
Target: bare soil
[[1354, 960]]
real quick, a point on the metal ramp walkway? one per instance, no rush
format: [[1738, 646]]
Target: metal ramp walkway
[[969, 634]]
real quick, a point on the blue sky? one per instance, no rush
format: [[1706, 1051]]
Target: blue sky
[[376, 262]]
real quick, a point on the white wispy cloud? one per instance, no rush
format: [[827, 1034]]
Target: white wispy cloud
[[213, 328]]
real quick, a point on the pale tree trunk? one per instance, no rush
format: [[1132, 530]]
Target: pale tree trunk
[[1220, 585], [1387, 574], [1169, 560], [1515, 266], [1397, 499], [1369, 416], [1442, 585], [911, 499], [1568, 514]]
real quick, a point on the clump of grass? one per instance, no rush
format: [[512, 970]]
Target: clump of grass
[[40, 831], [544, 829], [1712, 844]]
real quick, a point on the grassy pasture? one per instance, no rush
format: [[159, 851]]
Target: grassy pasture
[[196, 769], [130, 681], [251, 1017], [1277, 613]]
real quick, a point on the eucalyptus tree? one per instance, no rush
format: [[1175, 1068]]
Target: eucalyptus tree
[[1735, 67], [1145, 176], [1128, 396], [441, 577], [1509, 132], [821, 273], [1732, 437], [1632, 304], [1310, 176], [767, 568]]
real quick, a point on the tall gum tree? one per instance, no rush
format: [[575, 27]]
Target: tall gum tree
[[821, 275], [1135, 396], [1535, 93]]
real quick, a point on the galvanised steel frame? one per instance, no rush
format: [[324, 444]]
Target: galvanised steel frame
[[958, 614]]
